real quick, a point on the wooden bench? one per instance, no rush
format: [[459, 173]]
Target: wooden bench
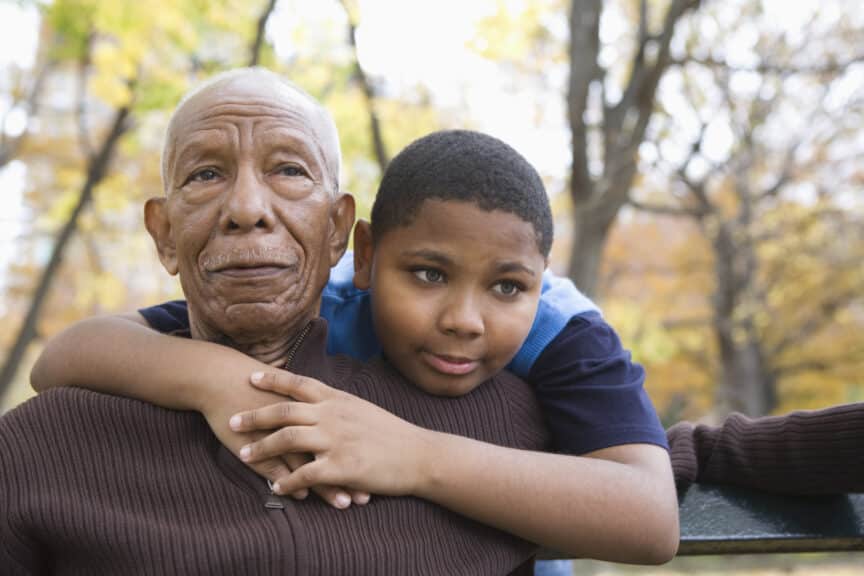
[[731, 520]]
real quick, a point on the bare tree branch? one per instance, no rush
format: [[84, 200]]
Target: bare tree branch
[[81, 99], [822, 316], [665, 209], [97, 169], [370, 94], [9, 146], [854, 357], [584, 70], [782, 69], [260, 30]]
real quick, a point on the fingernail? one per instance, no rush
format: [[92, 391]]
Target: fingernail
[[245, 452], [361, 499], [235, 422], [343, 501], [276, 488], [300, 494], [256, 377]]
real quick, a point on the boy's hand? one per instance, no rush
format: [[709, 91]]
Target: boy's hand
[[218, 409], [355, 443]]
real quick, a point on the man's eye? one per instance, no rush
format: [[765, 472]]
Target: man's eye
[[507, 288], [205, 175], [291, 170], [429, 275]]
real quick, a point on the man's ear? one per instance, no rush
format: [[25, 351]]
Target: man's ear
[[363, 252], [159, 227], [341, 220]]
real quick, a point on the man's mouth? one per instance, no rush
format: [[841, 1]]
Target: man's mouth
[[250, 263], [251, 271], [450, 365]]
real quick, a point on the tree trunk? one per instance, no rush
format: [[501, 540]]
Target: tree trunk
[[746, 383], [97, 169], [590, 232], [598, 199]]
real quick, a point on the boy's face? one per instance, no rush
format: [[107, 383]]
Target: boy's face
[[454, 293]]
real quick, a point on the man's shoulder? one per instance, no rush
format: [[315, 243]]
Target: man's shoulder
[[59, 412]]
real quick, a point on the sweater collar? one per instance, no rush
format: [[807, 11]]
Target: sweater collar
[[308, 355]]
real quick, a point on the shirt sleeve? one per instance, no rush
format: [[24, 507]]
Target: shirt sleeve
[[560, 301], [591, 393], [804, 452], [169, 317]]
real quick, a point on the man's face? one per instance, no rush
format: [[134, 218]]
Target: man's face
[[454, 293], [249, 221]]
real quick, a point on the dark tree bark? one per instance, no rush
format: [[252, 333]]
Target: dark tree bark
[[97, 169], [370, 94], [597, 198], [260, 29]]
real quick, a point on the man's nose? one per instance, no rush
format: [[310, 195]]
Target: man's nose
[[461, 316], [248, 205]]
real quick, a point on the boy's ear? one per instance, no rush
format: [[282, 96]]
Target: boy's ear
[[363, 251], [341, 220], [159, 227]]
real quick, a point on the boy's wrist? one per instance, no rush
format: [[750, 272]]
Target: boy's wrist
[[431, 453]]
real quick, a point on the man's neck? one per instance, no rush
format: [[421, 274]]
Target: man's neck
[[275, 348]]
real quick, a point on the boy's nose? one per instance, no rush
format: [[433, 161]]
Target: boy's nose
[[248, 204], [461, 316]]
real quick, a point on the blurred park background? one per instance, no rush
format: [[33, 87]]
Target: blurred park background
[[704, 160]]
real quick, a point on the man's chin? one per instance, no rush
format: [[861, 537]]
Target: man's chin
[[261, 314]]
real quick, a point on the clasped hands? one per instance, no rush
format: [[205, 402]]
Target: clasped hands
[[332, 442]]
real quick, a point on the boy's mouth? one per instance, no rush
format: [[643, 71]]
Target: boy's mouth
[[450, 365]]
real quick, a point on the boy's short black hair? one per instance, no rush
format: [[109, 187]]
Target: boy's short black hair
[[465, 166]]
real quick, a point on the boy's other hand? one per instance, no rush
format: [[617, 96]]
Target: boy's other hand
[[218, 409], [355, 443]]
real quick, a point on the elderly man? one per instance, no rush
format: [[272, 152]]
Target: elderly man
[[91, 483]]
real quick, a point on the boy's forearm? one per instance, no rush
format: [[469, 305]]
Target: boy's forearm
[[618, 505], [119, 355]]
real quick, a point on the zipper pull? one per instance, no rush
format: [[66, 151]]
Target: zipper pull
[[273, 501]]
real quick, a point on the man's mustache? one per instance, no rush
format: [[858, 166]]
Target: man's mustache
[[249, 258]]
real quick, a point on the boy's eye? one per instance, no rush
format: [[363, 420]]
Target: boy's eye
[[507, 288], [429, 275]]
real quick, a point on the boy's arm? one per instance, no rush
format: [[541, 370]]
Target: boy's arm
[[121, 355], [615, 504], [806, 452]]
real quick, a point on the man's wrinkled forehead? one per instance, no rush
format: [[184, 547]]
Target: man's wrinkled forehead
[[252, 97]]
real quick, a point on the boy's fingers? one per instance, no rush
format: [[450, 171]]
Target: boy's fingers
[[308, 476], [295, 460], [272, 468], [274, 416], [336, 497], [360, 498], [288, 439], [289, 384]]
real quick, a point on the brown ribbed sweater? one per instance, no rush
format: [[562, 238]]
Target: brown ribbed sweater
[[806, 452], [97, 484]]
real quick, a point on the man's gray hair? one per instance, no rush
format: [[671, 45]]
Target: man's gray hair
[[330, 140]]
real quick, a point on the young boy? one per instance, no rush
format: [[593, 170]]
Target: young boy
[[454, 258]]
